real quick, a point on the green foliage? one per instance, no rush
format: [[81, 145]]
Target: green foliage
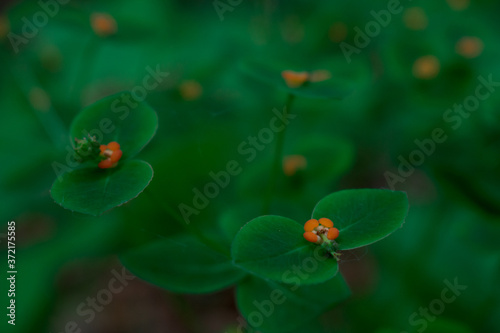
[[375, 111], [283, 307], [273, 246], [117, 118], [182, 264], [91, 190], [290, 276]]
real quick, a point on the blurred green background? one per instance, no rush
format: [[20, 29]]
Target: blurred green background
[[428, 58]]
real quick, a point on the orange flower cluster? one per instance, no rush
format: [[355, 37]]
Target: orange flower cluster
[[112, 154], [315, 229]]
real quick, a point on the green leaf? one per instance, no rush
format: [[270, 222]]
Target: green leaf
[[132, 124], [182, 264], [274, 307], [273, 247], [329, 89], [363, 216], [94, 191]]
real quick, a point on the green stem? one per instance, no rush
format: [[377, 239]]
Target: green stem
[[48, 117], [325, 239], [84, 69], [330, 246], [278, 159]]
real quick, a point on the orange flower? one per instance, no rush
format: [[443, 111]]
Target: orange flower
[[295, 79], [426, 67], [293, 163], [111, 153], [319, 231], [469, 47], [103, 24]]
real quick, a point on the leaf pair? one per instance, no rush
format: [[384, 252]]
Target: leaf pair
[[273, 248], [90, 190]]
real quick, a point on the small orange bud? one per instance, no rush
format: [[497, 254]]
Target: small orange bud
[[39, 99], [106, 164], [294, 79], [310, 225], [426, 67], [338, 32], [458, 4], [103, 148], [332, 233], [113, 145], [103, 24], [326, 222], [293, 163], [190, 90], [469, 47], [311, 237], [415, 18]]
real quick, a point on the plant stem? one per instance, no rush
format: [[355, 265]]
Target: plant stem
[[48, 117], [278, 158], [330, 247], [87, 59]]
